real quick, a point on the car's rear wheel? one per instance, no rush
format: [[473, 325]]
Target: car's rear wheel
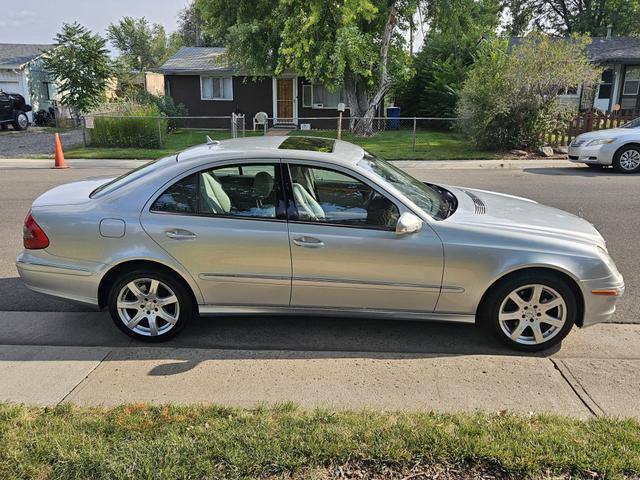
[[530, 311], [149, 305], [627, 159], [20, 121]]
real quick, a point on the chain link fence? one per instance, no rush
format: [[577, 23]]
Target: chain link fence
[[407, 133]]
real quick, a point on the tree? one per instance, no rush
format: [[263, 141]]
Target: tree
[[456, 29], [142, 45], [81, 66], [510, 98], [191, 29], [355, 44], [565, 17]]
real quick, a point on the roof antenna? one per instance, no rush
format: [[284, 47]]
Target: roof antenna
[[212, 142]]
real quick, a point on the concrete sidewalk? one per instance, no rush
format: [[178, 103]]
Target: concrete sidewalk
[[595, 373]]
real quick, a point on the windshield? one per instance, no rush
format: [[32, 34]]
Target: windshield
[[125, 178], [435, 201], [635, 123]]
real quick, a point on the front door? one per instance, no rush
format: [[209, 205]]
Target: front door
[[285, 99], [226, 226], [345, 252]]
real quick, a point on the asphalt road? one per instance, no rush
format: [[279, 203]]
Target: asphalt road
[[608, 200]]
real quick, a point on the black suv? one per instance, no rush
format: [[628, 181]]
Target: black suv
[[13, 110]]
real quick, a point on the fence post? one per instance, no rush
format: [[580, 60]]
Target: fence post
[[159, 133], [414, 134], [84, 131]]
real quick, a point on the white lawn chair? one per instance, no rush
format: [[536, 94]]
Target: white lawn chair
[[260, 118]]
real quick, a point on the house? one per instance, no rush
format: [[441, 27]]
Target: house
[[22, 71], [619, 86], [620, 82], [202, 79]]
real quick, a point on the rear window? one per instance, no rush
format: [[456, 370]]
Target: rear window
[[125, 178]]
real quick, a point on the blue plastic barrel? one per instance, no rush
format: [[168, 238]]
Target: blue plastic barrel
[[393, 118]]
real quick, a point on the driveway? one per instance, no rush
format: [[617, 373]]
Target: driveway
[[34, 141]]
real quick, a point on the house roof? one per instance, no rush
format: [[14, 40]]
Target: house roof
[[197, 60], [16, 55], [606, 50]]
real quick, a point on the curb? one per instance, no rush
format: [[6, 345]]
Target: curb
[[406, 164]]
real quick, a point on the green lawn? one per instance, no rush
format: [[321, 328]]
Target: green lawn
[[391, 145], [174, 142], [398, 145], [207, 442]]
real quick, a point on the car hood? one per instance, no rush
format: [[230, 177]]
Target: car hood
[[609, 133], [71, 193], [499, 211]]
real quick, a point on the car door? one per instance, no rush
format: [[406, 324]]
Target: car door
[[345, 252], [226, 225]]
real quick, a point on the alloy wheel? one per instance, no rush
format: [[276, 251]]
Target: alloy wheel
[[532, 314], [630, 159], [148, 307]]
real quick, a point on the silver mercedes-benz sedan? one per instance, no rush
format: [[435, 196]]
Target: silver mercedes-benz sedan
[[313, 226]]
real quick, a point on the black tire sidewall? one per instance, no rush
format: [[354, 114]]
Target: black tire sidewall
[[616, 159], [497, 295], [187, 307]]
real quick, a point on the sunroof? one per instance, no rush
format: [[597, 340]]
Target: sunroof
[[312, 144]]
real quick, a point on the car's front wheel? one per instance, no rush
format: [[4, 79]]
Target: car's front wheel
[[531, 311], [20, 121], [627, 159], [149, 305]]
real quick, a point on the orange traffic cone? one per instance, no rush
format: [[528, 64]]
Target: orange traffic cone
[[57, 153]]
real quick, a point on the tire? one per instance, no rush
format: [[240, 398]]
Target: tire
[[20, 120], [132, 288], [627, 159], [4, 126], [505, 318]]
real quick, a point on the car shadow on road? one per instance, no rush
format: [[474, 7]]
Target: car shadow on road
[[573, 171]]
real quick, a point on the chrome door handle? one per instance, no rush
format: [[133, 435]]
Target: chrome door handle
[[179, 234], [308, 242]]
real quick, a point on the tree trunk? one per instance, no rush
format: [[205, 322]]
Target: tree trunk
[[364, 102]]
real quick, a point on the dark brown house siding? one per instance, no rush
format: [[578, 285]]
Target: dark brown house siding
[[249, 98], [318, 114]]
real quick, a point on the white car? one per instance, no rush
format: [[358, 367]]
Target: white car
[[619, 147]]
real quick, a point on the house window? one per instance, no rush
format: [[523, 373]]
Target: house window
[[48, 89], [307, 96], [216, 88], [606, 84], [631, 81], [317, 96]]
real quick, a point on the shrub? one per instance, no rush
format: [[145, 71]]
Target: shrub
[[165, 105], [511, 98], [132, 126]]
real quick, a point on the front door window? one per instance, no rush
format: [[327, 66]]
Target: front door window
[[331, 197]]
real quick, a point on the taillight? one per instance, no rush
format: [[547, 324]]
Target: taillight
[[33, 236]]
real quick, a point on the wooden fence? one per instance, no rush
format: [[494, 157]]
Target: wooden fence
[[587, 122]]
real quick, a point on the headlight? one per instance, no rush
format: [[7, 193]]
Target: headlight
[[600, 141]]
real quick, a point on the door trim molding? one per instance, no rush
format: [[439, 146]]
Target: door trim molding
[[335, 312], [274, 89]]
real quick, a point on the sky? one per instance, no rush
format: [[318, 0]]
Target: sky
[[37, 21]]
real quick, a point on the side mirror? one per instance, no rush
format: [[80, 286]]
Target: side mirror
[[408, 223]]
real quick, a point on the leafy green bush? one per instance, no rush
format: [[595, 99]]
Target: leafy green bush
[[510, 99], [133, 126], [165, 105]]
